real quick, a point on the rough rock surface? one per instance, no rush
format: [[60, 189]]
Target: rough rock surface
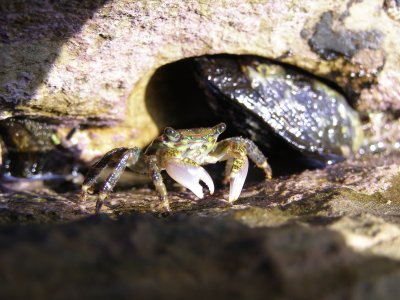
[[320, 234], [91, 61]]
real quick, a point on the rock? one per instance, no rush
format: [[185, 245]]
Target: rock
[[142, 256], [319, 234], [88, 62], [117, 72]]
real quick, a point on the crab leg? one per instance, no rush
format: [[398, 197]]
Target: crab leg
[[95, 171], [256, 156], [122, 156], [131, 155], [158, 182]]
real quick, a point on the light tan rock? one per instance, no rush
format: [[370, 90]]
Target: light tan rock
[[91, 63]]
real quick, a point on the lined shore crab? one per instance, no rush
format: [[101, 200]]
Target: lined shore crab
[[272, 105], [279, 108], [181, 153]]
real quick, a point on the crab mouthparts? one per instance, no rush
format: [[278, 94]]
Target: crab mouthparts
[[189, 176]]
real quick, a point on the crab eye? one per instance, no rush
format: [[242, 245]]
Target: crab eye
[[172, 134], [220, 128]]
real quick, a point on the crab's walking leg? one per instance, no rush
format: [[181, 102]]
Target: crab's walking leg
[[257, 156], [118, 159], [235, 151], [94, 172], [155, 174], [131, 156]]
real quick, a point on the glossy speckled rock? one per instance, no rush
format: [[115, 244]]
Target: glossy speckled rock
[[266, 100]]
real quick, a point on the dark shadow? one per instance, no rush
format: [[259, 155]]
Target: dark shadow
[[173, 98], [143, 257], [31, 31]]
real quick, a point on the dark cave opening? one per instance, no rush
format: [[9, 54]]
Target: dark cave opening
[[175, 98]]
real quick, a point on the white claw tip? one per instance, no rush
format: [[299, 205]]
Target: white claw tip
[[237, 182], [189, 176]]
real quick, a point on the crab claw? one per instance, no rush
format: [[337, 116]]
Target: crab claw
[[237, 181], [189, 176]]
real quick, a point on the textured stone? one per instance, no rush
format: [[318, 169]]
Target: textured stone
[[91, 61], [318, 234], [145, 257]]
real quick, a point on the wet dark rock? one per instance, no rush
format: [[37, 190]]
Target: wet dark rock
[[330, 43], [280, 108], [32, 150]]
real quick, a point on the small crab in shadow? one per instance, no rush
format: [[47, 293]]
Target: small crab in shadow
[[181, 153]]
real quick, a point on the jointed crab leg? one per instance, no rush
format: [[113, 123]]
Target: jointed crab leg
[[256, 156], [158, 182], [94, 172], [120, 156], [131, 156]]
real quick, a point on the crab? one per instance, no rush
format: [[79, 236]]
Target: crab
[[181, 153]]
